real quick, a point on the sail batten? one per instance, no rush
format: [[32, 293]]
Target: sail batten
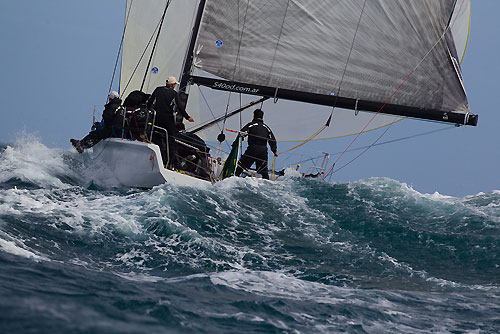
[[361, 50]]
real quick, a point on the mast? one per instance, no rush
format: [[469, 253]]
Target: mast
[[188, 60]]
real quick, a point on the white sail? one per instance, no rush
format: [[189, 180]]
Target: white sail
[[142, 21], [460, 26]]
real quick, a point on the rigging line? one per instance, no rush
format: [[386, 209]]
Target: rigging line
[[310, 159], [278, 41], [218, 125], [241, 117], [142, 56], [371, 119], [390, 98], [225, 114], [208, 106], [241, 37], [306, 140], [401, 139], [120, 48], [350, 53], [382, 143], [331, 171], [235, 63], [327, 124], [350, 134], [154, 45], [348, 57]]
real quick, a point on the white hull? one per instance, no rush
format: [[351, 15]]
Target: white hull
[[137, 164]]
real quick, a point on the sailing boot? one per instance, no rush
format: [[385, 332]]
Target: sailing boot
[[77, 145]]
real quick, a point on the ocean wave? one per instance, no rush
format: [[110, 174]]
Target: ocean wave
[[28, 163], [375, 232]]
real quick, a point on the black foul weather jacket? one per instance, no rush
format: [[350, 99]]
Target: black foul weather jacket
[[109, 112], [162, 98], [259, 134]]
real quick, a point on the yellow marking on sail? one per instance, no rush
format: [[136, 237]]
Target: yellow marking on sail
[[468, 34]]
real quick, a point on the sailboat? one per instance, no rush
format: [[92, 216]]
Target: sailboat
[[324, 69]]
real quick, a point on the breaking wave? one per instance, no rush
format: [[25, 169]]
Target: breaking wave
[[291, 256]]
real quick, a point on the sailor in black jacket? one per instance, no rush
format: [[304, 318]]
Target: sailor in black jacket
[[162, 99], [106, 130], [259, 135]]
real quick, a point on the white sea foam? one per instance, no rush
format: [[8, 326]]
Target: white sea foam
[[31, 161], [17, 247], [273, 284], [140, 277]]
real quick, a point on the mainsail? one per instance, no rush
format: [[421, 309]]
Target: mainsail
[[356, 54]]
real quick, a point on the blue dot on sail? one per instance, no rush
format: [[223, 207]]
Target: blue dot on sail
[[154, 70], [218, 43]]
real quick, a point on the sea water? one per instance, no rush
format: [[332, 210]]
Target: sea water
[[240, 256]]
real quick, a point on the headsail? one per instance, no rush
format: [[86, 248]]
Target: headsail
[[353, 54], [142, 21], [460, 26]]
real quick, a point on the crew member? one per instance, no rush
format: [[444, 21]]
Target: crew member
[[136, 99], [193, 152], [259, 135], [104, 131], [162, 99]]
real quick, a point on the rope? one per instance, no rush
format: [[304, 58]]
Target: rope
[[225, 114], [142, 56], [277, 44], [154, 45], [331, 171], [350, 53], [208, 106], [401, 139], [241, 37], [235, 65], [305, 140], [120, 48]]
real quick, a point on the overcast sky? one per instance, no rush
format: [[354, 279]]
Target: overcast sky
[[58, 56]]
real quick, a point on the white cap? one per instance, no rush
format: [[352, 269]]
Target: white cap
[[113, 95], [172, 80]]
